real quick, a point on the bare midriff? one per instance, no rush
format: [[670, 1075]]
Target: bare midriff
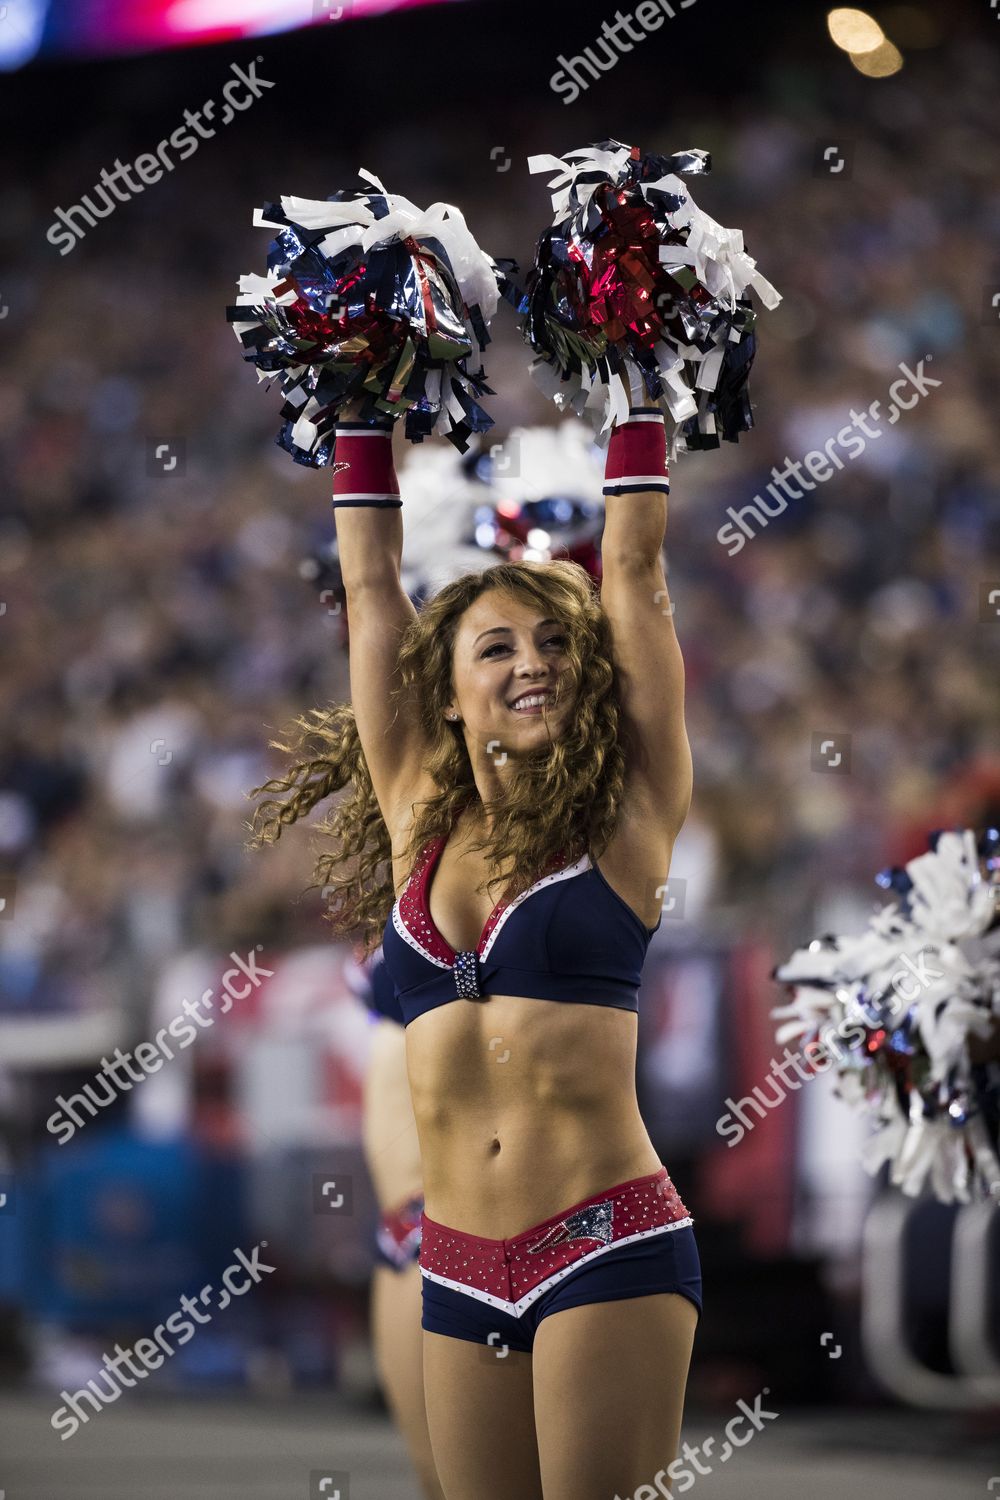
[[523, 1107]]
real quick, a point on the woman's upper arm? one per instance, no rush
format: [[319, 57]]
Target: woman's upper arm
[[388, 720], [651, 672]]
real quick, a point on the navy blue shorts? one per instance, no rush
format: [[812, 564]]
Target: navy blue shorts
[[666, 1263], [495, 1292]]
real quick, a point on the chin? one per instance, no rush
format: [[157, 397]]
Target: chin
[[542, 731]]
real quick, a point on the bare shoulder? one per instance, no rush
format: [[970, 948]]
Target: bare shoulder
[[636, 862]]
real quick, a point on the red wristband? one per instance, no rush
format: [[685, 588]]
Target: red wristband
[[370, 475], [637, 455]]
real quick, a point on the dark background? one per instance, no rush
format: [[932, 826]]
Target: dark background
[[185, 608]]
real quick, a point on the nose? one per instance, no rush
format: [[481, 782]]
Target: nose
[[532, 667]]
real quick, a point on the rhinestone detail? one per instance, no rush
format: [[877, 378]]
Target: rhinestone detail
[[466, 971], [513, 1273]]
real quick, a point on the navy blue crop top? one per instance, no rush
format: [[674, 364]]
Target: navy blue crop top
[[568, 937], [381, 998]]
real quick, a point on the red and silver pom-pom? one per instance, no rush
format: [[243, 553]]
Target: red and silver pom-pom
[[636, 297]]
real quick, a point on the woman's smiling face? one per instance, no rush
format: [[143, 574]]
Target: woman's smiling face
[[506, 651]]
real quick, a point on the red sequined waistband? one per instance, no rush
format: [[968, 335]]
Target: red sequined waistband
[[511, 1273]]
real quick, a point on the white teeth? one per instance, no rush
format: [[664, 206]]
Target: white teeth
[[535, 699]]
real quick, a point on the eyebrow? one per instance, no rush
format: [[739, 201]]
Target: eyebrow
[[497, 629]]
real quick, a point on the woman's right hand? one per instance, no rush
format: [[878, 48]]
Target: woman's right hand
[[351, 412]]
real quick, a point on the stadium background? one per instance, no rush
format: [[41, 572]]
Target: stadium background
[[159, 624]]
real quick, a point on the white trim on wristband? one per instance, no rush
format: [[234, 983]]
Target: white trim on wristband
[[634, 418], [643, 481], [364, 432]]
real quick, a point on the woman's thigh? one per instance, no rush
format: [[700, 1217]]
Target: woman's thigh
[[481, 1420], [399, 1359], [395, 1308], [609, 1381]]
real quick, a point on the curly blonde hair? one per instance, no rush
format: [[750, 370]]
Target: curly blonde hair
[[558, 801]]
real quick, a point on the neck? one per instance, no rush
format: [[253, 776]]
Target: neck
[[472, 812]]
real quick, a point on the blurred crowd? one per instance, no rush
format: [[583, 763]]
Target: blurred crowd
[[162, 620]]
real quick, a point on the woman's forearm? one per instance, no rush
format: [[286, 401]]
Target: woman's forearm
[[636, 468], [366, 503]]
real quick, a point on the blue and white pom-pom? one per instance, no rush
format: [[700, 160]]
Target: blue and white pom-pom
[[546, 496], [898, 1005], [637, 297], [536, 496], [367, 295], [532, 498], [441, 494], [535, 463]]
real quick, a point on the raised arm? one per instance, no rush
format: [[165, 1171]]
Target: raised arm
[[370, 544], [635, 598]]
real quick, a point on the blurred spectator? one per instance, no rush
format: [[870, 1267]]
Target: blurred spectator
[[159, 628]]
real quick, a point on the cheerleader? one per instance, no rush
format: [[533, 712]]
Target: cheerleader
[[519, 770], [393, 1159]]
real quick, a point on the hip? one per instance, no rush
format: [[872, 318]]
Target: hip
[[633, 1239]]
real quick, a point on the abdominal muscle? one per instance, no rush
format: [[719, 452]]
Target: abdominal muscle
[[523, 1108]]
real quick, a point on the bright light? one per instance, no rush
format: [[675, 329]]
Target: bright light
[[538, 538], [20, 32], [245, 17], [881, 63], [107, 27], [855, 30]]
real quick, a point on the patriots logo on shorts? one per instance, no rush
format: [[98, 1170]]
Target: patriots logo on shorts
[[592, 1223]]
